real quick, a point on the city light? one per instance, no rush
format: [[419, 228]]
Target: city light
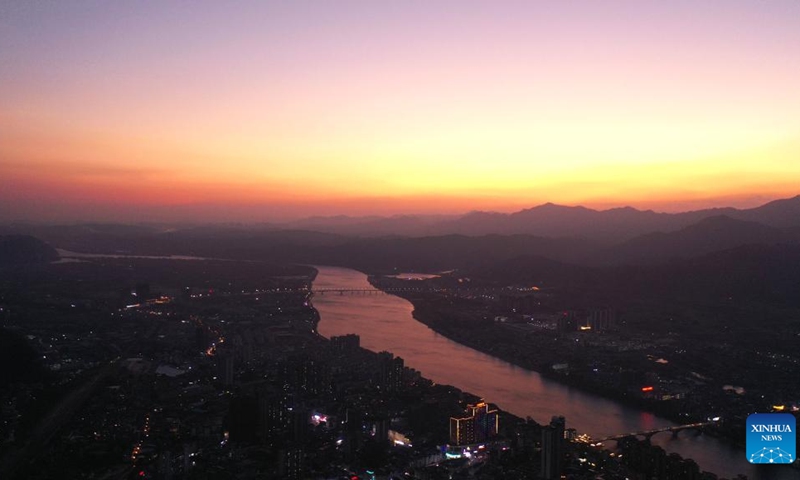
[[308, 239]]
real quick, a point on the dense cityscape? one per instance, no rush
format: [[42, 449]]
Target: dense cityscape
[[135, 367], [384, 240]]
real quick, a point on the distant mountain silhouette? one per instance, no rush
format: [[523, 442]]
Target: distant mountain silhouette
[[764, 274], [532, 269], [446, 252], [571, 234], [556, 221], [783, 213], [24, 249], [711, 234]]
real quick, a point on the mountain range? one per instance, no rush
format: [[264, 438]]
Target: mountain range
[[550, 220], [577, 235]]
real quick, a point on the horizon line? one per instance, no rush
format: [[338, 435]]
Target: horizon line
[[592, 206]]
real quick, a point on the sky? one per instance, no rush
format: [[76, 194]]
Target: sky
[[254, 111]]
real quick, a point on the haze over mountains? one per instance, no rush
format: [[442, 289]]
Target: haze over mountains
[[577, 235], [550, 220]]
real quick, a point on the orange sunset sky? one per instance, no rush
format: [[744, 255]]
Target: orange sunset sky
[[253, 111]]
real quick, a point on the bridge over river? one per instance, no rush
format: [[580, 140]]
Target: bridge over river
[[367, 291], [648, 434], [385, 322]]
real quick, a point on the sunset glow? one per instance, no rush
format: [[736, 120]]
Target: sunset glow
[[274, 110]]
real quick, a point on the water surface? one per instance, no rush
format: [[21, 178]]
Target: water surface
[[384, 322]]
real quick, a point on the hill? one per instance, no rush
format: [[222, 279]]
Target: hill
[[24, 249], [709, 235]]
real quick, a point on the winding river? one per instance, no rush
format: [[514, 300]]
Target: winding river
[[384, 322]]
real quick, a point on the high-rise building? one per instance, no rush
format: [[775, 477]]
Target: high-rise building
[[305, 373], [349, 343], [479, 425], [462, 430], [390, 372], [353, 432], [292, 460], [553, 448]]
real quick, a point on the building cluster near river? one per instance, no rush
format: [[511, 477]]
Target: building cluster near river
[[211, 369], [386, 323]]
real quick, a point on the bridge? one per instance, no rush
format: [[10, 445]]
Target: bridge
[[321, 291], [366, 291], [649, 433], [378, 291]]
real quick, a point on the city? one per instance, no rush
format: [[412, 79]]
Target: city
[[217, 369], [360, 240]]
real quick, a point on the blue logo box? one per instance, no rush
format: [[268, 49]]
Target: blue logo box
[[771, 438]]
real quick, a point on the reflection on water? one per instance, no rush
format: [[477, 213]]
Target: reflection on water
[[384, 322]]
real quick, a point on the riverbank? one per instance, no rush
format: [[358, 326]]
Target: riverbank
[[385, 322], [497, 344]]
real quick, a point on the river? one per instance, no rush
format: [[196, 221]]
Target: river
[[384, 322]]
